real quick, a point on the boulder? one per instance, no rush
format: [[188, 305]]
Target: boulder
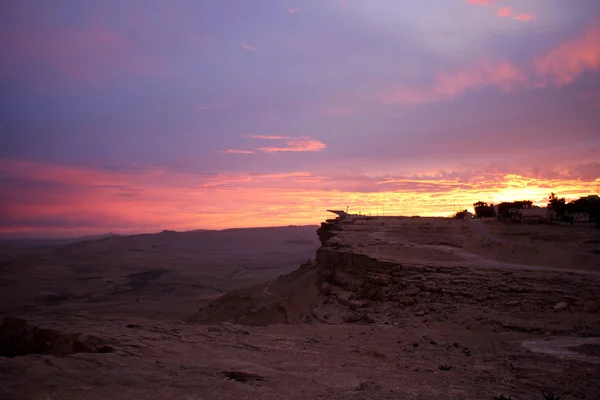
[[561, 306]]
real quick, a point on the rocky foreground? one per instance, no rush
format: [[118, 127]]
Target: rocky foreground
[[398, 308]]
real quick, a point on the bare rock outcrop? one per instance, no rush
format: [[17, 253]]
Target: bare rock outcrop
[[378, 271], [287, 299], [327, 231], [19, 338]]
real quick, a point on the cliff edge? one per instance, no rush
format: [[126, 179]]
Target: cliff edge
[[388, 269]]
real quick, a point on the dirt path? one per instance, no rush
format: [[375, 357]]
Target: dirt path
[[479, 228], [563, 348], [267, 291]]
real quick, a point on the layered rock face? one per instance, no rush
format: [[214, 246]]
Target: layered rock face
[[287, 299], [394, 268], [387, 269]]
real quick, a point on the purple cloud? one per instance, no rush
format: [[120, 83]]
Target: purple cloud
[[118, 105]]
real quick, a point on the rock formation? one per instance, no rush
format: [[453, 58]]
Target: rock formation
[[19, 338], [379, 270]]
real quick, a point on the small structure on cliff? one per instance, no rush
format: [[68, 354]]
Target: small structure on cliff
[[340, 213]]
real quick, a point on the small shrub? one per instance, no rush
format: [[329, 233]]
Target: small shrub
[[502, 397], [415, 344], [445, 367]]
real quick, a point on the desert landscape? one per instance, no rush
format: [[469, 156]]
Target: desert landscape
[[293, 199], [382, 308]]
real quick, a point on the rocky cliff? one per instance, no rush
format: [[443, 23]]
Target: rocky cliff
[[384, 270]]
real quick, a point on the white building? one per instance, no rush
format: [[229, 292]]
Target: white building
[[530, 214]]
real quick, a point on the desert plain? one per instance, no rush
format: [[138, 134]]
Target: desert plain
[[364, 308]]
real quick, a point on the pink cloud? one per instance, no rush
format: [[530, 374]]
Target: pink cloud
[[593, 98], [232, 151], [248, 47], [269, 137], [507, 12], [90, 199], [563, 64], [451, 85], [560, 66], [290, 144], [292, 10], [236, 180], [481, 2], [524, 17], [204, 108], [301, 144], [86, 54], [504, 12], [64, 174], [585, 171]]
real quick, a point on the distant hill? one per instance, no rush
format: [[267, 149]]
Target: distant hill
[[166, 272], [26, 242]]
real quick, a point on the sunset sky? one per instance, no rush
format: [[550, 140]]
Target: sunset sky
[[141, 115]]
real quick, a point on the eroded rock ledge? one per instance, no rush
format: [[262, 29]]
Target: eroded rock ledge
[[385, 270], [19, 338]]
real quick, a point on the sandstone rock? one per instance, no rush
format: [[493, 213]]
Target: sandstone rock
[[355, 304], [367, 386], [326, 231], [243, 377], [560, 306], [325, 288], [408, 301], [19, 338], [382, 281], [420, 313], [412, 291], [359, 317]]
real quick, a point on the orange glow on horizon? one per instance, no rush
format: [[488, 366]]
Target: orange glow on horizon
[[154, 199]]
